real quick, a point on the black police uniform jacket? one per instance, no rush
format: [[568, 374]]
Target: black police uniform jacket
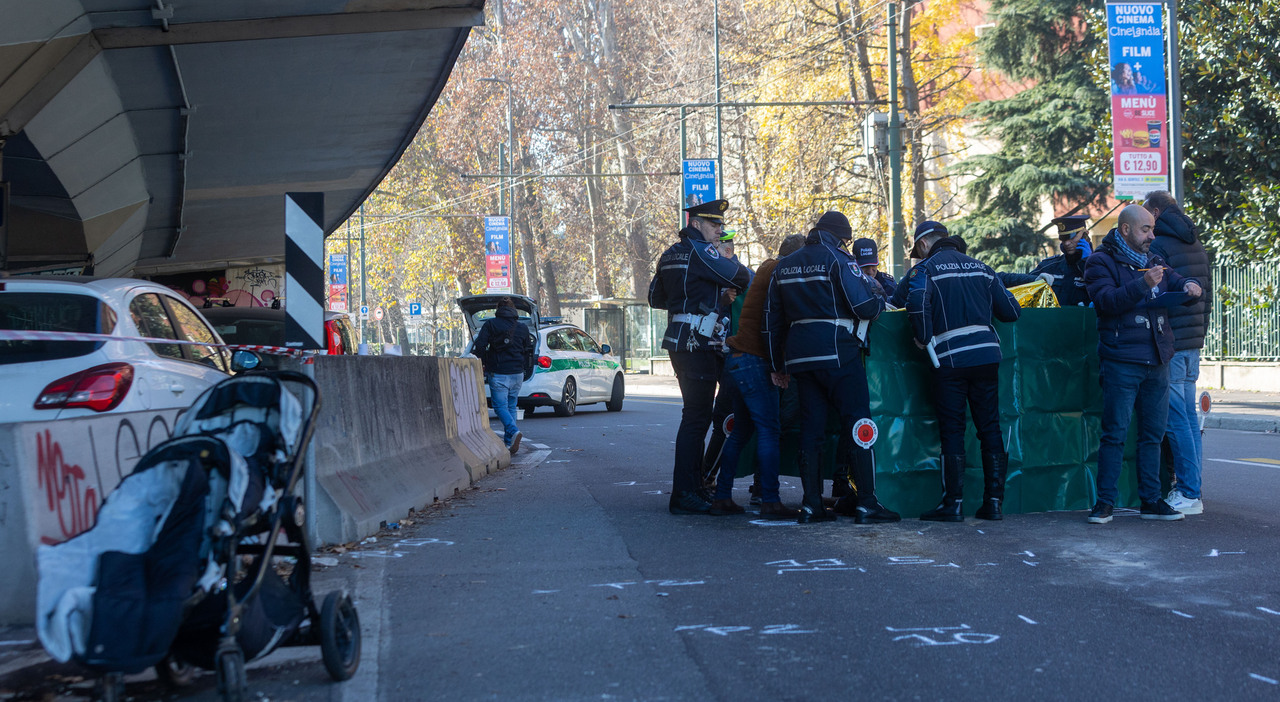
[[817, 297], [690, 276], [1068, 279], [951, 299], [1130, 328]]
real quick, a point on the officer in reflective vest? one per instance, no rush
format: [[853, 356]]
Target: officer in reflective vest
[[688, 283], [950, 301], [818, 311]]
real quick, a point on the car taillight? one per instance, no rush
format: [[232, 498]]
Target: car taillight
[[335, 339], [100, 388], [544, 361]]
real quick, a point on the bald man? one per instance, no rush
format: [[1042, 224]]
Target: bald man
[[1129, 286]]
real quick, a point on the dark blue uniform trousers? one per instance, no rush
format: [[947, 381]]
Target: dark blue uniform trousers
[[697, 372], [845, 391]]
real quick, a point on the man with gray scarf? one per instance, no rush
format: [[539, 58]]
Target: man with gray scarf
[[1129, 288]]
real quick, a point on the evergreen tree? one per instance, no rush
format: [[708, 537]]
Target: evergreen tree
[[1053, 135]]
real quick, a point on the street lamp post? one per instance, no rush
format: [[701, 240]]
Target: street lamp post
[[511, 144]]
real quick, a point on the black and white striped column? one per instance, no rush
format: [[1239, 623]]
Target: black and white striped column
[[304, 270]]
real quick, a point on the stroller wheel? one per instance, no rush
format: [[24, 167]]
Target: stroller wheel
[[175, 672], [339, 636], [232, 684]]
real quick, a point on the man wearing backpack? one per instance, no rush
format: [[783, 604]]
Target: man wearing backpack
[[505, 347]]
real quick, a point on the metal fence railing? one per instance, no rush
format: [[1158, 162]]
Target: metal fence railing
[[1244, 324]]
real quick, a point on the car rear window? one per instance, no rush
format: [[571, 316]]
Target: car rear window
[[55, 312], [261, 332]]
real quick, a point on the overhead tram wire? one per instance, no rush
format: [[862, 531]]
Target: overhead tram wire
[[631, 135]]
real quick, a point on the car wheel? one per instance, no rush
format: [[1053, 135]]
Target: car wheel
[[569, 399], [619, 391]]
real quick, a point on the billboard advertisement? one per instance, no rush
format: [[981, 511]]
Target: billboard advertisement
[[497, 254], [338, 282], [699, 182], [1139, 130]]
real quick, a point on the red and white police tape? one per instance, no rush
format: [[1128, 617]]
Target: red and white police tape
[[29, 335]]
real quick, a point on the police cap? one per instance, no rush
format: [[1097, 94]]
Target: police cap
[[866, 252], [712, 210], [1070, 225]]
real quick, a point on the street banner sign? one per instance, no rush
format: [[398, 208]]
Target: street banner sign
[[415, 309], [338, 282], [699, 182], [497, 254], [1139, 132]]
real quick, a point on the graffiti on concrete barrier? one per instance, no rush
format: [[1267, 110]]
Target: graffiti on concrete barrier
[[71, 499], [469, 406], [68, 467]]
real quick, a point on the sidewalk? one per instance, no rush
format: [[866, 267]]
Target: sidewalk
[[1242, 410]]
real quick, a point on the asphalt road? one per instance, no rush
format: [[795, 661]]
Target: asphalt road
[[565, 578]]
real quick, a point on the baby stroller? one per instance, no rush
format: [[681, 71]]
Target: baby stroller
[[199, 557]]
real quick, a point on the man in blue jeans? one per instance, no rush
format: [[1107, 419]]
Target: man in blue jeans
[[1135, 343], [505, 347], [1178, 242]]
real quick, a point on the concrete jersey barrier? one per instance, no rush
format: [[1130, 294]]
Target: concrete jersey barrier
[[394, 433]]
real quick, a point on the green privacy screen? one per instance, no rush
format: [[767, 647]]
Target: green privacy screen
[[1050, 416]]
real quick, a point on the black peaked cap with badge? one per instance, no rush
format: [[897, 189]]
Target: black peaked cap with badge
[[1070, 224], [712, 210]]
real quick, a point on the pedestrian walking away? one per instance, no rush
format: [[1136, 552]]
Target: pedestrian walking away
[[688, 284], [1131, 290], [951, 299], [819, 308], [1178, 243], [505, 347]]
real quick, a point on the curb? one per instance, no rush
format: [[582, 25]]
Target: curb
[[1243, 422]]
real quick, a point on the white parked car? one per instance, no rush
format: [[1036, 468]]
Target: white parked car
[[45, 380], [570, 369]]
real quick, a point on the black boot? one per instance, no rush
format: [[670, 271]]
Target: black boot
[[841, 486], [812, 509], [688, 503], [862, 504], [994, 467], [951, 508]]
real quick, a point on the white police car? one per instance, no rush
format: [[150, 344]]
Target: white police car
[[570, 368]]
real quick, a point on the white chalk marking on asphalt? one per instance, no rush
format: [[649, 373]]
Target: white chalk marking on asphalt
[[25, 642], [421, 542], [981, 531], [1028, 554], [540, 447], [544, 592], [1268, 611], [1033, 565], [688, 627], [1027, 619], [1244, 463], [1182, 614], [368, 595], [773, 522], [1270, 681], [652, 492], [558, 460]]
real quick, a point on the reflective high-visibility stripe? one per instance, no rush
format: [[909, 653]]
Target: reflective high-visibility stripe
[[845, 323], [967, 274], [807, 359], [969, 348], [807, 279], [961, 331]]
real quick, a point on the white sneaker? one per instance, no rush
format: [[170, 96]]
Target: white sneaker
[[1184, 504]]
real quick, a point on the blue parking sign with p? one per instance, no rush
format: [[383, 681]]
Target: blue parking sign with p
[[415, 309]]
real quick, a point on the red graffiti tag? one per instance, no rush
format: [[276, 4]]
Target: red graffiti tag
[[73, 500]]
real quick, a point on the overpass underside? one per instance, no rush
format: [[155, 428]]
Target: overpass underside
[[143, 138]]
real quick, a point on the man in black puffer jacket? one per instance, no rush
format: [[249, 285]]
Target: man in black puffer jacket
[[505, 346], [1135, 344], [1178, 243]]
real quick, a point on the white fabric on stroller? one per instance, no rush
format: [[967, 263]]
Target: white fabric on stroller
[[129, 522]]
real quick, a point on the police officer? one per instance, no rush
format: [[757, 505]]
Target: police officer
[[815, 321], [688, 284], [1066, 270], [868, 256], [950, 301]]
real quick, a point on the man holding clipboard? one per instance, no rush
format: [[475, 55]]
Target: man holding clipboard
[[1132, 290]]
